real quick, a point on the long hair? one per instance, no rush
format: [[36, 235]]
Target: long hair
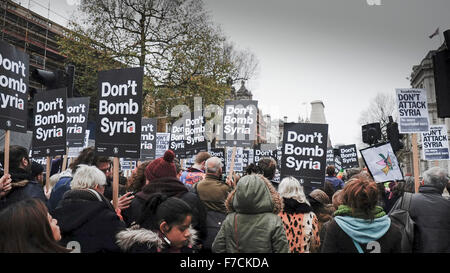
[[290, 188], [137, 180], [24, 228]]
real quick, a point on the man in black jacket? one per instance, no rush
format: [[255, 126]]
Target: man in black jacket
[[431, 213]]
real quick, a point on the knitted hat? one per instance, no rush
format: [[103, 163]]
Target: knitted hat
[[320, 196], [161, 167]]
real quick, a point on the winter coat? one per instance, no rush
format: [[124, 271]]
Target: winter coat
[[23, 187], [337, 183], [61, 187], [87, 218], [141, 240], [213, 193], [191, 176], [169, 186], [253, 224], [347, 233], [431, 213], [301, 225]]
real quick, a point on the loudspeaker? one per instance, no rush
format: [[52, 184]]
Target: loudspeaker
[[441, 67], [371, 133]]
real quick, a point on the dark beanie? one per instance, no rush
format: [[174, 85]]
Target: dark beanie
[[161, 167], [36, 168]]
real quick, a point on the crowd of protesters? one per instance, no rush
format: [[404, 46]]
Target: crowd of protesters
[[165, 208]]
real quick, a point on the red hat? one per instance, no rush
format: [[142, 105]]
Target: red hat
[[161, 167]]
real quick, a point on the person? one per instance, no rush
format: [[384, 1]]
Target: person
[[359, 226], [86, 218], [197, 172], [213, 192], [331, 177], [300, 222], [27, 227], [22, 184], [252, 224], [37, 172], [88, 157], [5, 185], [336, 201], [163, 226], [268, 167], [137, 179], [321, 206], [161, 176], [431, 213]]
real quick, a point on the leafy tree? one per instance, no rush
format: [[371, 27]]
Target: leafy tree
[[183, 53]]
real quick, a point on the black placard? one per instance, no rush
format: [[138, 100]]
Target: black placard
[[305, 152], [148, 139], [239, 123], [49, 132], [77, 118], [119, 112], [349, 156], [177, 136], [14, 72], [195, 137]]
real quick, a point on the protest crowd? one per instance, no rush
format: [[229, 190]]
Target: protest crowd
[[158, 211]]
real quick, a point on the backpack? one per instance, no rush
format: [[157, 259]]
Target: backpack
[[400, 217]]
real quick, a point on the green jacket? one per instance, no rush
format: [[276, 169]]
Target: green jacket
[[253, 224]]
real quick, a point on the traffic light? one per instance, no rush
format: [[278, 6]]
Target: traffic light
[[56, 79], [395, 138]]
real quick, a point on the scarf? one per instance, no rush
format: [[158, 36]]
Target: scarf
[[344, 210]]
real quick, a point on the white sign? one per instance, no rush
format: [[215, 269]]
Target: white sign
[[382, 163], [435, 143], [413, 111]]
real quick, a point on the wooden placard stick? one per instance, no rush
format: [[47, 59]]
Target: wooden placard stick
[[6, 159], [116, 182], [416, 170], [230, 174], [64, 163], [47, 172]]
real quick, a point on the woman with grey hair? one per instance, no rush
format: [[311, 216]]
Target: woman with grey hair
[[300, 222], [87, 220]]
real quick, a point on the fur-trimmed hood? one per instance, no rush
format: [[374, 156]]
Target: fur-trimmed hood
[[254, 194], [136, 235]]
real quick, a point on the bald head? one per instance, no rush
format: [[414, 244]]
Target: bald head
[[213, 165]]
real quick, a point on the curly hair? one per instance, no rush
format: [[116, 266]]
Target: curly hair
[[137, 179], [361, 193]]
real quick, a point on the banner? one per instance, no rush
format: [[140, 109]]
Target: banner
[[435, 143], [382, 163], [305, 152], [330, 156], [14, 73], [162, 144], [260, 153], [49, 132], [413, 111], [75, 151], [247, 158], [239, 123], [194, 133], [349, 156], [119, 112], [77, 117], [148, 139]]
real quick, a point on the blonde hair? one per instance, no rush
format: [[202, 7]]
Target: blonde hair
[[290, 188]]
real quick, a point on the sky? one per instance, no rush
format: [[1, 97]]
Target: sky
[[342, 52]]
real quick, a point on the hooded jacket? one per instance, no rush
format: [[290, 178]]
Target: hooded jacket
[[348, 233], [86, 217], [23, 187], [253, 224], [141, 240]]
